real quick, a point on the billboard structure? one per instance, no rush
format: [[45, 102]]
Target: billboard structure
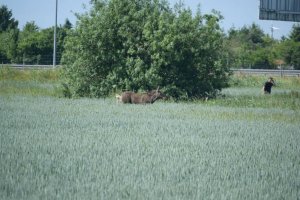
[[282, 10]]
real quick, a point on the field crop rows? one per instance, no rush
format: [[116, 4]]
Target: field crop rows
[[54, 148]]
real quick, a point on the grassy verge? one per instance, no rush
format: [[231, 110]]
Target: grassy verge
[[244, 91], [252, 97], [30, 82], [29, 75], [257, 81]]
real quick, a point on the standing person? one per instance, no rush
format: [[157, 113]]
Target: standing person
[[268, 86]]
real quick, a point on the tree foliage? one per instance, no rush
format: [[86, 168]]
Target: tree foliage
[[291, 47], [8, 35], [35, 45], [31, 45], [140, 45], [250, 47], [7, 22], [8, 45]]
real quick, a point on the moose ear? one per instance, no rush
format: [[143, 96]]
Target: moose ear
[[157, 89]]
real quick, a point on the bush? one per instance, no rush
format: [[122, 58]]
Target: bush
[[139, 45]]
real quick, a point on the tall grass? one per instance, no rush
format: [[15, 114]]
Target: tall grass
[[243, 145], [54, 148]]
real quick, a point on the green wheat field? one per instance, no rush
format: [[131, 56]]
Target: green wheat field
[[242, 145]]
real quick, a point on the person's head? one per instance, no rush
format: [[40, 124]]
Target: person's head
[[271, 80]]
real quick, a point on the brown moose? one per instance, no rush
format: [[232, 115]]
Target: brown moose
[[137, 98]]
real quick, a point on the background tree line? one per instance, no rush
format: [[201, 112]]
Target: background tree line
[[250, 47], [247, 47], [30, 45], [141, 44]]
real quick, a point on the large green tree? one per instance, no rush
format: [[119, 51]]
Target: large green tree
[[6, 20], [8, 45], [291, 48], [9, 33], [143, 44]]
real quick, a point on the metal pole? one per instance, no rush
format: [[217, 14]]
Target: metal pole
[[272, 31], [54, 37]]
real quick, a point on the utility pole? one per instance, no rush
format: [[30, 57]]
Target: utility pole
[[272, 30], [54, 37]]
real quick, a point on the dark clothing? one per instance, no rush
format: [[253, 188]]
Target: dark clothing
[[268, 86]]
